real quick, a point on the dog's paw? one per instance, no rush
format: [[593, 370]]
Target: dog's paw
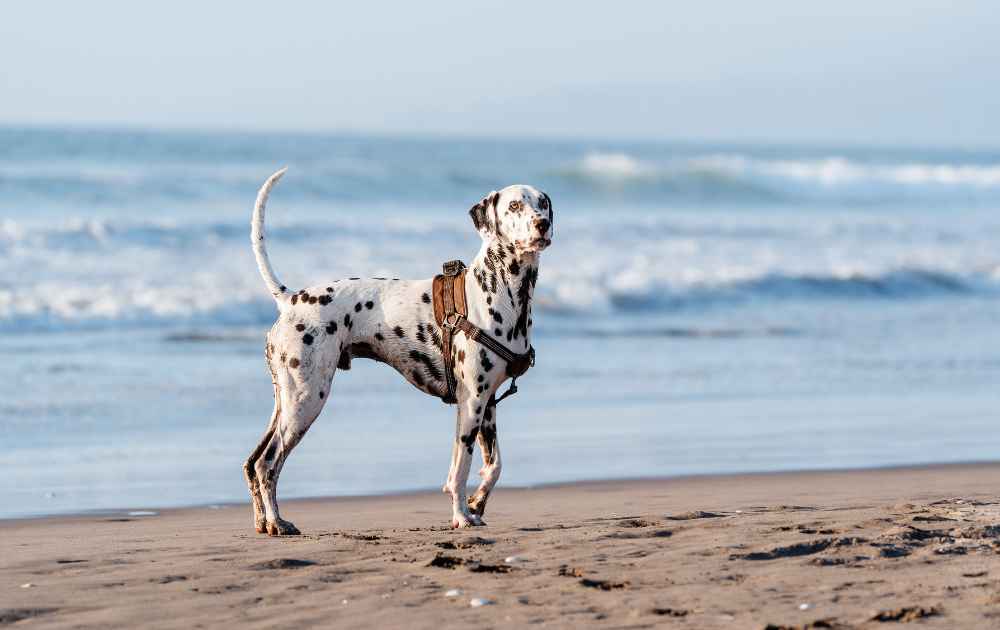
[[282, 528], [466, 520], [477, 505]]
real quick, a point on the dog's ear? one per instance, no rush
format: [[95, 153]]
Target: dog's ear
[[483, 213], [548, 206]]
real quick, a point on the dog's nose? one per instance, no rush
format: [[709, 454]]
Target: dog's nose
[[542, 225]]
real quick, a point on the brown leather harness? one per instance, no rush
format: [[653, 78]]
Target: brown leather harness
[[450, 311]]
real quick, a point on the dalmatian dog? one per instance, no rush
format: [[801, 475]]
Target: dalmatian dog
[[320, 328]]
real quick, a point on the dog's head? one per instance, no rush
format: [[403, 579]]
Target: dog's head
[[518, 216]]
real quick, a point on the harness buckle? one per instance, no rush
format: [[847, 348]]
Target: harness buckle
[[452, 267], [451, 320]]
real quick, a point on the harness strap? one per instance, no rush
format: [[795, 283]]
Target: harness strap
[[449, 297], [450, 311]]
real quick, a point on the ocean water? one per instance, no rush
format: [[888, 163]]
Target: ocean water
[[703, 309]]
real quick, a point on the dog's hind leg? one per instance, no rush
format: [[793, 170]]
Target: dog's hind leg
[[490, 471], [300, 405], [249, 472]]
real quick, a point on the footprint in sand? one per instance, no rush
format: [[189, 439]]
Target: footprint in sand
[[13, 615], [281, 563]]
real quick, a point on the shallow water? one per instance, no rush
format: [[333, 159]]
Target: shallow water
[[703, 309]]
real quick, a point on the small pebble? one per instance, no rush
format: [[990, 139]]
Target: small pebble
[[480, 601], [805, 606], [343, 601], [27, 585], [455, 592], [143, 513], [513, 559]]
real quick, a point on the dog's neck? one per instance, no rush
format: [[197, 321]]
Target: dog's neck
[[499, 286]]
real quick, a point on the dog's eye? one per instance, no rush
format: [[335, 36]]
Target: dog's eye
[[514, 206]]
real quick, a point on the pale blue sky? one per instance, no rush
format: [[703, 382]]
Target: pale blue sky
[[886, 72]]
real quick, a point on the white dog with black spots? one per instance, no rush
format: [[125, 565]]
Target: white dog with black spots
[[319, 329]]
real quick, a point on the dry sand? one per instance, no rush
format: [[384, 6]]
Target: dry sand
[[835, 549]]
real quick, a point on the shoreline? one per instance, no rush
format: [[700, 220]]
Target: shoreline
[[211, 505], [848, 548]]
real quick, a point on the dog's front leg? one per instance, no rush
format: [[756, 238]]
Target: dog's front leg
[[490, 471], [470, 414]]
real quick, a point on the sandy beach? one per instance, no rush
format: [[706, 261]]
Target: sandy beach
[[831, 549]]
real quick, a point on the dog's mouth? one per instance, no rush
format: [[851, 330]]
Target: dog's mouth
[[539, 243]]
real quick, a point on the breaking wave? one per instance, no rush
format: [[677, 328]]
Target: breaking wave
[[737, 176]]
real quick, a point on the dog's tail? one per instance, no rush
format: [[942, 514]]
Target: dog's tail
[[278, 290]]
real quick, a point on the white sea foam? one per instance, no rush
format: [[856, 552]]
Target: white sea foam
[[733, 175], [95, 274]]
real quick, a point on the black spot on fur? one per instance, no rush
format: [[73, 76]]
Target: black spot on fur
[[354, 278], [322, 395], [295, 298], [485, 360], [435, 337], [344, 360], [312, 299], [489, 441], [470, 439], [498, 332], [489, 414], [293, 363], [417, 377], [379, 337], [331, 328], [307, 339], [399, 332], [357, 307], [524, 301], [426, 299], [325, 299], [369, 305], [422, 358], [421, 337], [489, 299], [365, 350], [329, 289], [480, 378], [497, 317], [300, 327], [347, 322], [514, 268]]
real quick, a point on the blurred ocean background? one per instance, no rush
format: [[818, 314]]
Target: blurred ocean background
[[704, 308]]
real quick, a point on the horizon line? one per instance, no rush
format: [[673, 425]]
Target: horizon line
[[439, 135]]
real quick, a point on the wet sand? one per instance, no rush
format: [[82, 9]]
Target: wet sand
[[833, 549]]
